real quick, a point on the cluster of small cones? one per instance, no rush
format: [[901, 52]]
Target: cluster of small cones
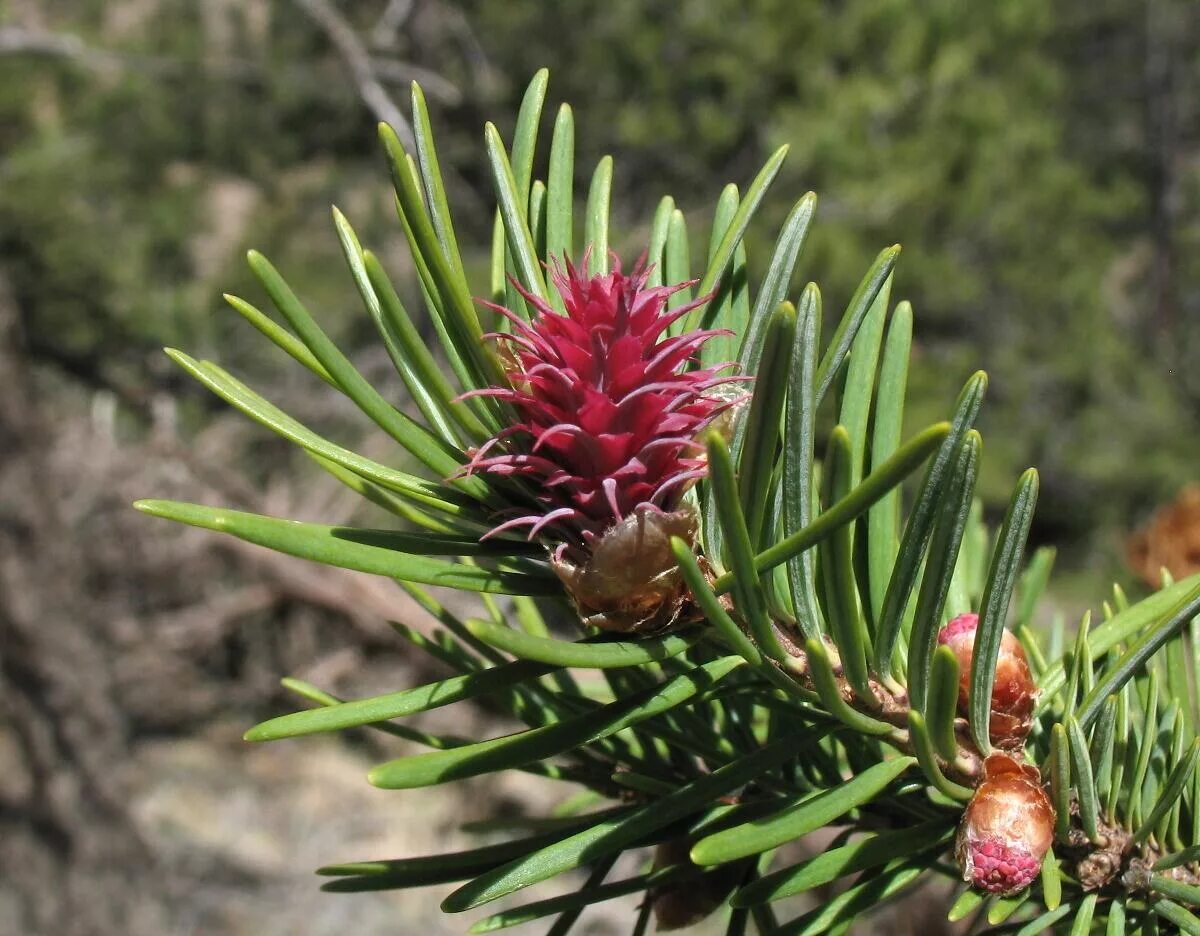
[[610, 405], [1008, 825]]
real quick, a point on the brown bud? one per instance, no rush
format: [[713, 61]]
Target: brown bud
[[1006, 829], [1013, 693], [631, 582], [685, 903]]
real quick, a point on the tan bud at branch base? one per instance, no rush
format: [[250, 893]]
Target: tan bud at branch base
[[631, 582], [1014, 692], [1006, 829]]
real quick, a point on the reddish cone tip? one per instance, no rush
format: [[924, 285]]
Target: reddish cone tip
[[1000, 868], [607, 415], [963, 624]]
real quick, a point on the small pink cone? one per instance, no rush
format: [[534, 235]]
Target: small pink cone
[[1006, 829]]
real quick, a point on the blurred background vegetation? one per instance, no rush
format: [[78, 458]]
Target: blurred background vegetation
[[1039, 162]]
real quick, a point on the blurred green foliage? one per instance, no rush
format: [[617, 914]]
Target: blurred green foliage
[[1039, 163]]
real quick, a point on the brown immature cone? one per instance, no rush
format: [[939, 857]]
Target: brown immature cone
[[685, 903], [1013, 693], [631, 582], [1006, 829]]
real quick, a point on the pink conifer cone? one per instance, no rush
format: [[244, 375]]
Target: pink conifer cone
[[1014, 693], [1006, 829], [608, 411]]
